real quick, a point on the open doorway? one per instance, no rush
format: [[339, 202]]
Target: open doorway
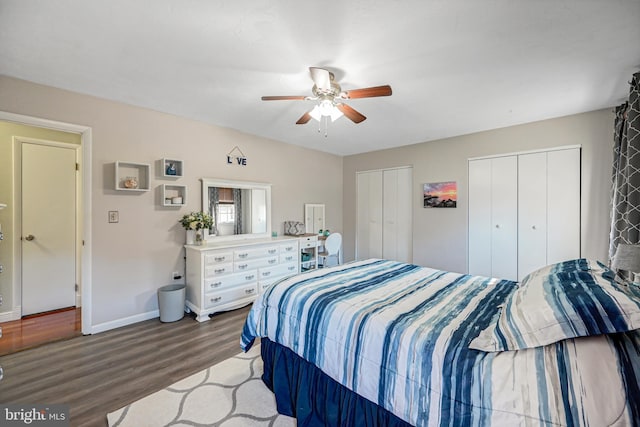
[[11, 310]]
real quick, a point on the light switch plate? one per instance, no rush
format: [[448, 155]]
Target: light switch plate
[[114, 216]]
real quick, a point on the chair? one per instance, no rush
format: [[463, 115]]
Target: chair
[[331, 249]]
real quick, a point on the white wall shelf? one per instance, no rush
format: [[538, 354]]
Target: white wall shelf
[[130, 176], [178, 167], [173, 195]]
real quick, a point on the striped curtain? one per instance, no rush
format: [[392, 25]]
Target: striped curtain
[[625, 214]]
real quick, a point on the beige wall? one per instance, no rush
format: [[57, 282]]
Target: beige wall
[[134, 257], [7, 133], [440, 235]]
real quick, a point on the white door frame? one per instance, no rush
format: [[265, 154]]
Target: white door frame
[[85, 207]]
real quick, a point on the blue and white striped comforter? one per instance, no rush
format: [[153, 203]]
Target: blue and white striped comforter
[[398, 334]]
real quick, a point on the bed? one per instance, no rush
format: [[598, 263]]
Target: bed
[[384, 343]]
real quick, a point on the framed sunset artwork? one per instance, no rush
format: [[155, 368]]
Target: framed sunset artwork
[[440, 194]]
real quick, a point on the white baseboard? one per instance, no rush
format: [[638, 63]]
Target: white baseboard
[[10, 315], [102, 327]]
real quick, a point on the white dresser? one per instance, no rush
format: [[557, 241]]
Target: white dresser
[[228, 275]]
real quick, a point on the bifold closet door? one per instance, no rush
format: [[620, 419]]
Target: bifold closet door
[[493, 217], [480, 217], [369, 215], [504, 217], [532, 208], [397, 242], [548, 208]]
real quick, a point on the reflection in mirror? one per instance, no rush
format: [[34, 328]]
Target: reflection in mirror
[[313, 217], [240, 209]]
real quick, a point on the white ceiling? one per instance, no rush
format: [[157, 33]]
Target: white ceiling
[[456, 67]]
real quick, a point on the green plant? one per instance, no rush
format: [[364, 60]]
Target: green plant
[[196, 221]]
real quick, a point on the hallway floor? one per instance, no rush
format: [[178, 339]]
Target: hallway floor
[[32, 331]]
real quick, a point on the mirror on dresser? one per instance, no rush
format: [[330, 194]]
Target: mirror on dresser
[[240, 209]]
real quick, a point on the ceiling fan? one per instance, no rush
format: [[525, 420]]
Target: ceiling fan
[[329, 96]]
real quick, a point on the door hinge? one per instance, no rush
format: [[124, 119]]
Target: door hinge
[[77, 166], [76, 287]]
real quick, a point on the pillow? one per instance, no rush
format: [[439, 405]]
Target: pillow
[[566, 300]]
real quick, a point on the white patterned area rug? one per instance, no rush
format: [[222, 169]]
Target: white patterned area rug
[[229, 394]]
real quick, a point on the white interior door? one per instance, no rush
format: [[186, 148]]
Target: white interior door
[[48, 227], [390, 214], [404, 219], [532, 213], [369, 215], [504, 215], [480, 217], [397, 215]]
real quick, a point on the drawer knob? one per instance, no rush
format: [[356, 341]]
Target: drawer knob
[[220, 258], [266, 273], [243, 255], [272, 251], [272, 261], [216, 284], [219, 270], [242, 266], [249, 291], [216, 299], [249, 277]]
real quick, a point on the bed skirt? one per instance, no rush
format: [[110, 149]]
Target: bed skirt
[[305, 392]]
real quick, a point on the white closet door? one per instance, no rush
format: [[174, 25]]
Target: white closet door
[[369, 215], [563, 195], [504, 216], [480, 217], [397, 217], [390, 214], [532, 212], [404, 191]]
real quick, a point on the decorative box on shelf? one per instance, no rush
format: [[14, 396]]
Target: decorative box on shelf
[[130, 176]]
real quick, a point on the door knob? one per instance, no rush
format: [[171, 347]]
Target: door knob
[[30, 237]]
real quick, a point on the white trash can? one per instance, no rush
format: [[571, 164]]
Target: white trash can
[[171, 302]]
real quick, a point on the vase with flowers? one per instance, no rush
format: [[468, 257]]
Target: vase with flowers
[[197, 225]]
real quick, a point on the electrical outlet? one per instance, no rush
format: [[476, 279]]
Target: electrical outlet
[[114, 216]]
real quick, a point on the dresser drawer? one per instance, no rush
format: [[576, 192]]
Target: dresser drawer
[[218, 269], [278, 271], [230, 295], [217, 258], [309, 242], [255, 263], [253, 253], [288, 248], [288, 257], [230, 280]]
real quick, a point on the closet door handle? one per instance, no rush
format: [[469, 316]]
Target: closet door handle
[[533, 227], [30, 237], [497, 225]]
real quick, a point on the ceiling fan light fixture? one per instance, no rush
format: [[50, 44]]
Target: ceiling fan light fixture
[[325, 109]]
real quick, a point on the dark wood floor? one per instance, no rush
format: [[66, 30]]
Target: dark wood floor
[[32, 331], [100, 373]]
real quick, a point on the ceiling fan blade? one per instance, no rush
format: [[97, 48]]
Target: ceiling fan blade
[[321, 77], [304, 119], [350, 113], [368, 92], [284, 98]]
